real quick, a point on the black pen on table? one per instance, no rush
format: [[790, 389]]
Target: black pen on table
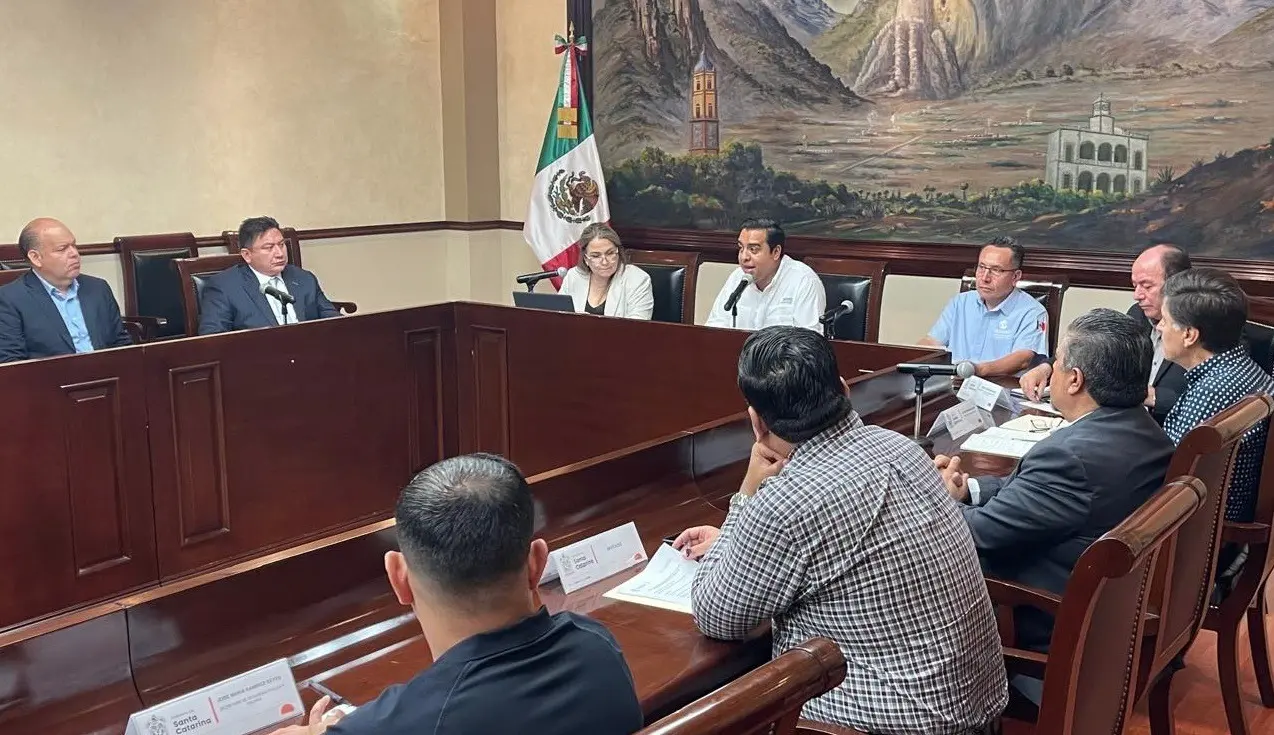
[[336, 698]]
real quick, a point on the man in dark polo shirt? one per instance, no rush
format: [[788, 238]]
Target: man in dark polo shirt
[[469, 569]]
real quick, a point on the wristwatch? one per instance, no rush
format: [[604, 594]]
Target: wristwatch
[[738, 500]]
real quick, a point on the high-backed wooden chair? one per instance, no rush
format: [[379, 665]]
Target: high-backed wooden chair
[[1247, 598], [673, 274], [291, 241], [1186, 569], [9, 276], [767, 700], [151, 290], [191, 274], [860, 282], [1090, 672], [1048, 290]]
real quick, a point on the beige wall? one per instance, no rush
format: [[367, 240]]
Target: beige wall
[[140, 116]]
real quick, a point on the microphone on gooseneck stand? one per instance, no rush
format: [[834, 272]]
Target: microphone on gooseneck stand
[[828, 319], [921, 372], [732, 303], [284, 298], [530, 279]]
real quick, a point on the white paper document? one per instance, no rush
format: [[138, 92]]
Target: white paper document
[[1002, 442], [595, 558], [1042, 407], [242, 704], [986, 395], [665, 582], [961, 419]]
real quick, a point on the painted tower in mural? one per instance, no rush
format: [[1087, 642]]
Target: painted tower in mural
[[1101, 157], [705, 126]]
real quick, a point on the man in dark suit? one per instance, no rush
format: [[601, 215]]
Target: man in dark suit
[[1081, 481], [264, 291], [54, 309], [1155, 265]]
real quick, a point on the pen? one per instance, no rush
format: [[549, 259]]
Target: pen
[[316, 686]]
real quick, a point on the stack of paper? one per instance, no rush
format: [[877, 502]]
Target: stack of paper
[[1002, 442], [665, 582]]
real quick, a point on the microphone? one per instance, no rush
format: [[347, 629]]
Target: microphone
[[282, 296], [531, 278], [738, 291], [962, 369], [834, 313]]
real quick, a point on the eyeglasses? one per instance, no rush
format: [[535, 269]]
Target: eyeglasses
[[599, 257], [993, 270]]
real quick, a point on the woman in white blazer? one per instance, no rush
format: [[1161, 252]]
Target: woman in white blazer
[[603, 282]]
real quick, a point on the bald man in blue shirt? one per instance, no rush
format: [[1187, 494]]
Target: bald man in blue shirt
[[997, 326]]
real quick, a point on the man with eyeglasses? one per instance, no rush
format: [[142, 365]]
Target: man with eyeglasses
[[997, 326]]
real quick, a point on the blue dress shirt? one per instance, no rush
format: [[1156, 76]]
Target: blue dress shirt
[[970, 331], [68, 306]]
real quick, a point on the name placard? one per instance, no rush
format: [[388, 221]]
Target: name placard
[[985, 395], [251, 701], [595, 558]]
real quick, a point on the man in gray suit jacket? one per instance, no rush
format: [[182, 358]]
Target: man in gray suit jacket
[[1081, 481]]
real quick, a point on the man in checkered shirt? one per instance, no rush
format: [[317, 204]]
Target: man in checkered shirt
[[846, 531]]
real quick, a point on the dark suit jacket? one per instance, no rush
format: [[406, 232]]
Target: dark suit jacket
[[1074, 486], [1169, 382], [232, 300], [31, 326]]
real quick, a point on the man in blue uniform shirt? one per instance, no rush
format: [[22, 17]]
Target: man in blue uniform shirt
[[997, 326], [469, 569]]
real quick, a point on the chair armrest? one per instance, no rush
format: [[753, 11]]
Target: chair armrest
[[345, 307], [810, 727], [1245, 533], [143, 328], [1027, 663], [1017, 595]]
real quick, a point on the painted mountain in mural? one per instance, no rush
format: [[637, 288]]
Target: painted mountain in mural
[[1252, 40], [646, 48], [991, 38], [803, 19]]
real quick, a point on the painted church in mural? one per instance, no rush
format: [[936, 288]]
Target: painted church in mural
[[1086, 124]]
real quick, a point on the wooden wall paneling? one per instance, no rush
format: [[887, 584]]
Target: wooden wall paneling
[[314, 424], [196, 401], [70, 681], [599, 384], [75, 514], [430, 340], [320, 609]]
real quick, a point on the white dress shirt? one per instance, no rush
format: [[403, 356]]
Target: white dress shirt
[[275, 305], [794, 297]]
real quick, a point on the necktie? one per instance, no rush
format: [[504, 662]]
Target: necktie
[[284, 317]]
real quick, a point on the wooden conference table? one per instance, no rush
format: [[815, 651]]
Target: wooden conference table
[[178, 512]]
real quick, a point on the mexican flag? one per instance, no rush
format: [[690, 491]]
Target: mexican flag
[[569, 192]]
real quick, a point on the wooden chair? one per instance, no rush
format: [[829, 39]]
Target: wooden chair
[[1091, 668], [1048, 290], [191, 274], [291, 241], [140, 329], [673, 274], [152, 294], [1184, 578], [861, 282], [1247, 599], [767, 700]]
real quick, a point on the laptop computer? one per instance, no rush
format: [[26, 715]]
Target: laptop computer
[[546, 301]]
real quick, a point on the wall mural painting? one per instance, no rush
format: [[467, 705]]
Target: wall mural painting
[[1083, 124]]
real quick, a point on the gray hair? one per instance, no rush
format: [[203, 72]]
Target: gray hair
[[1114, 354]]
